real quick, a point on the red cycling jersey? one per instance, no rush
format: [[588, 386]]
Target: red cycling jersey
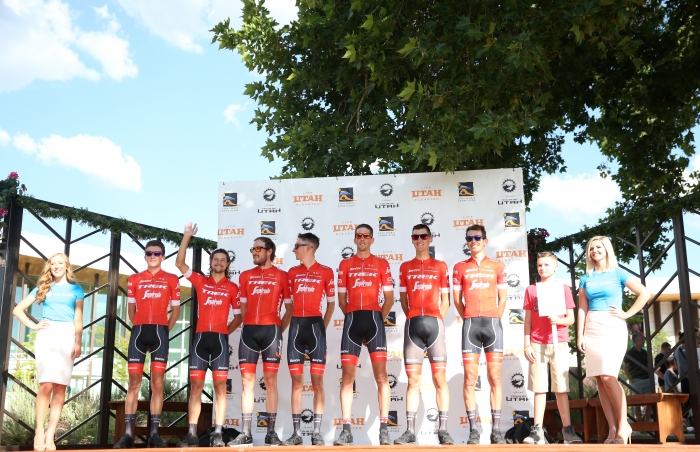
[[308, 285], [479, 284], [364, 280], [423, 282], [213, 302], [152, 295], [264, 291]]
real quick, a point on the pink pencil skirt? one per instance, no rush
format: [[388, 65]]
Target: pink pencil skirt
[[606, 343]]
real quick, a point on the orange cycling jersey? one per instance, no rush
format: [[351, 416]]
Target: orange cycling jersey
[[364, 280], [479, 284], [152, 295], [264, 291], [307, 286], [214, 300], [423, 282]]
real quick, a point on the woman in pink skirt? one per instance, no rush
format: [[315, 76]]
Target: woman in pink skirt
[[604, 339]]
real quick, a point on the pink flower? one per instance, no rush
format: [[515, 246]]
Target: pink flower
[[2, 212], [13, 175]]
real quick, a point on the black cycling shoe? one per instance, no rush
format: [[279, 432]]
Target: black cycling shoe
[[344, 439], [406, 438], [155, 441], [242, 440], [445, 437], [497, 437], [384, 438], [294, 440], [188, 440], [474, 437], [271, 439], [125, 442], [317, 440], [216, 440]]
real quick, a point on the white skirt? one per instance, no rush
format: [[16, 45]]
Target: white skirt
[[52, 349], [606, 343]]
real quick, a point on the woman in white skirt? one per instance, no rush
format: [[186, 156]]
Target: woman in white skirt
[[57, 342], [604, 340]]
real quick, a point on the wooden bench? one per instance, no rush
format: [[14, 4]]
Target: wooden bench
[[203, 423], [668, 415], [588, 418]]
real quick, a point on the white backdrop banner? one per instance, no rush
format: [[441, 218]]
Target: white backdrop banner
[[392, 204]]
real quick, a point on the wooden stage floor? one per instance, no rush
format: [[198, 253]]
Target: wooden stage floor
[[593, 447]]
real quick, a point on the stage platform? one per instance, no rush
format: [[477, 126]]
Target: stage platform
[[594, 447]]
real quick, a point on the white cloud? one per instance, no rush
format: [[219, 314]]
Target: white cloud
[[98, 157], [230, 114], [41, 42], [185, 24], [4, 137], [576, 199]]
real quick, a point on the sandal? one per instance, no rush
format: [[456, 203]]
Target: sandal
[[38, 447]]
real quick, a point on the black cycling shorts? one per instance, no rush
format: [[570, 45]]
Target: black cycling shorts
[[307, 340], [144, 339], [257, 339], [209, 350], [363, 327], [424, 335], [482, 332]]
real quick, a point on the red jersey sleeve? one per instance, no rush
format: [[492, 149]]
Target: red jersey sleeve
[[131, 289], [235, 298], [243, 287], [501, 276], [444, 278], [343, 276], [174, 290], [402, 277], [329, 284], [385, 275], [286, 291], [457, 275], [197, 279]]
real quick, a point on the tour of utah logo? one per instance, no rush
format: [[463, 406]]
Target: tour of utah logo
[[346, 195], [511, 220], [230, 199], [386, 224], [267, 228], [465, 189]]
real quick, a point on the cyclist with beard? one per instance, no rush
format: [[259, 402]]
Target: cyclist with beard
[[216, 297]]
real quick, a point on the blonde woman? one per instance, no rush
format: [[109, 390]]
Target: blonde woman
[[57, 342], [604, 338]]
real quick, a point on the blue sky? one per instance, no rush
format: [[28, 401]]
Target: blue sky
[[124, 107]]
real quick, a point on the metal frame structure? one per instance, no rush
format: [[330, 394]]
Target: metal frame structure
[[687, 307], [8, 277]]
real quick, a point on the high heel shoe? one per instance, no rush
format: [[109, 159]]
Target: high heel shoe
[[625, 436], [47, 446], [38, 447], [611, 436]]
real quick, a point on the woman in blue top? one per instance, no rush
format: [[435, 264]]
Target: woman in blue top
[[605, 338], [57, 342]]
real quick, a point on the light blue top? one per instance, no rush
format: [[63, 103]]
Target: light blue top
[[604, 290], [59, 305]]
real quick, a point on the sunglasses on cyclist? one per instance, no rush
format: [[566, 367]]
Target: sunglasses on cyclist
[[360, 235], [474, 237], [257, 249], [298, 245], [154, 253], [415, 237]]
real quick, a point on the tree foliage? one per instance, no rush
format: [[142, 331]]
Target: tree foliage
[[415, 85]]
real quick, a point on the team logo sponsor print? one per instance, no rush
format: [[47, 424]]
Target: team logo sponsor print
[[346, 194], [393, 420], [517, 380], [511, 254], [520, 416], [431, 251], [391, 257], [267, 228], [308, 198], [307, 416], [466, 251], [346, 252], [229, 200], [229, 386], [231, 256], [261, 419], [465, 189], [432, 415], [390, 319], [393, 381], [269, 195], [508, 185], [356, 422], [234, 422], [308, 224], [516, 316], [511, 220], [386, 190], [427, 219], [345, 228], [465, 222], [231, 231], [425, 193], [386, 224], [513, 280]]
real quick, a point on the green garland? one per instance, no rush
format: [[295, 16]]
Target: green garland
[[116, 225], [659, 213]]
